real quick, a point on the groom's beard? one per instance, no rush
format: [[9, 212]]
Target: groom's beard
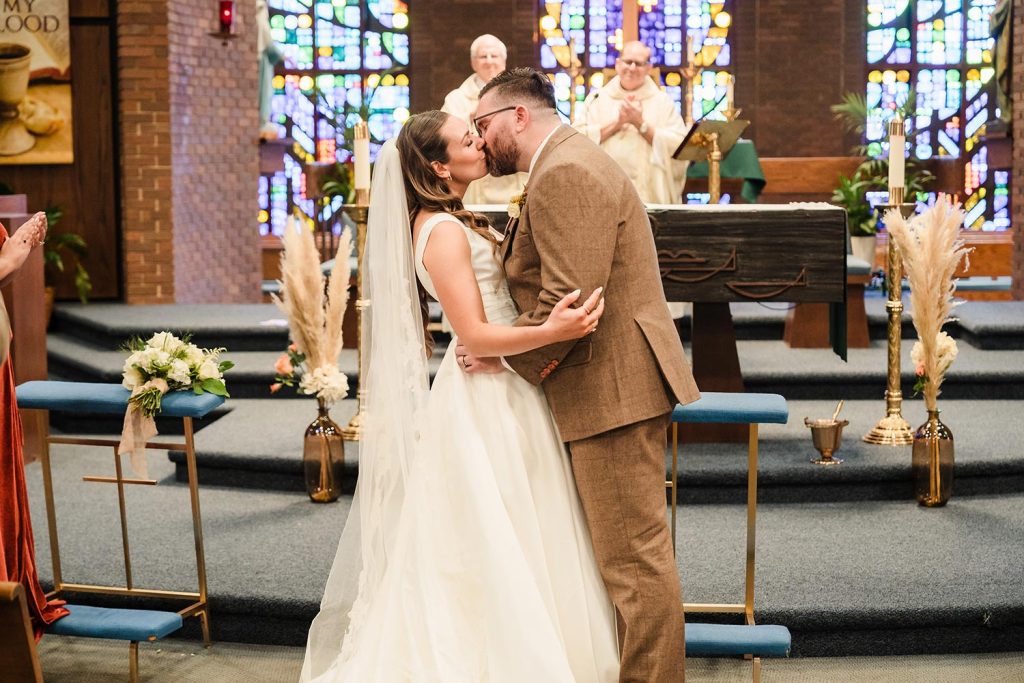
[[502, 157]]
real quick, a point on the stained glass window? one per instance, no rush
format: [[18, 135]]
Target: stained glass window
[[943, 49], [669, 26], [594, 29], [340, 56], [666, 26]]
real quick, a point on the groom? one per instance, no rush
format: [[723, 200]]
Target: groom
[[582, 226]]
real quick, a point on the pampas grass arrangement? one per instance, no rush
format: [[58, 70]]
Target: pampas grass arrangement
[[315, 310], [932, 248]]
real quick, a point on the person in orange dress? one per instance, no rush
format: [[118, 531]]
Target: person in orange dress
[[17, 546]]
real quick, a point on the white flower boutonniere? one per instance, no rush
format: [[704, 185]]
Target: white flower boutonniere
[[515, 205]]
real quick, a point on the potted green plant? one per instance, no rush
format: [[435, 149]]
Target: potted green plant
[[861, 219], [871, 175], [57, 247]]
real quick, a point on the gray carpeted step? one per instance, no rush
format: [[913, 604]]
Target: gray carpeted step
[[992, 324], [238, 327], [767, 320], [811, 374], [847, 578], [250, 378], [259, 327], [258, 444], [768, 366]]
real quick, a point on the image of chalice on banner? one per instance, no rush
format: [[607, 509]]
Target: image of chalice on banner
[[14, 69], [35, 83]]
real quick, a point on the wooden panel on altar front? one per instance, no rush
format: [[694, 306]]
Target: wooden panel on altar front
[[750, 252], [794, 252]]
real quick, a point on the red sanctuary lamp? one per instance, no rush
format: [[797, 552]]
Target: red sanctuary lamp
[[226, 21], [227, 16]]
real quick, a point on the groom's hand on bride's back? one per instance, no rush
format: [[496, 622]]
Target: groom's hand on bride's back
[[476, 365]]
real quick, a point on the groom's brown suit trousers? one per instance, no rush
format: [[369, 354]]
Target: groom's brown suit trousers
[[584, 226]]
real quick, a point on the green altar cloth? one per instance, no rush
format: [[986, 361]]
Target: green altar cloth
[[740, 162]]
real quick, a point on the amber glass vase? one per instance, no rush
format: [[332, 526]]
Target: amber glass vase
[[323, 458], [932, 462]]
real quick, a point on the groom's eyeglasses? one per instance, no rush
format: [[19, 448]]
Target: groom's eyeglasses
[[483, 129]]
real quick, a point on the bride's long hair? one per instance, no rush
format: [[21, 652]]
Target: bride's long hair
[[421, 143]]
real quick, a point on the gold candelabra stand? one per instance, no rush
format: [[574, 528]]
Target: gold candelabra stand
[[709, 141], [689, 73], [359, 213], [893, 429], [566, 57]]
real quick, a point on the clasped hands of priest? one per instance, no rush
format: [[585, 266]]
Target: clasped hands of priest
[[631, 113]]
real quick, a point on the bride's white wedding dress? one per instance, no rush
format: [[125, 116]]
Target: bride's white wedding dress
[[492, 575]]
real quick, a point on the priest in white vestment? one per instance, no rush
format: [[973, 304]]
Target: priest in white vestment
[[487, 56], [639, 126]]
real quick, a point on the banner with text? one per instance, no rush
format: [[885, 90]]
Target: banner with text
[[35, 82]]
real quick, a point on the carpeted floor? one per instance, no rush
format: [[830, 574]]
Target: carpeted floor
[[945, 578], [78, 660], [846, 560]]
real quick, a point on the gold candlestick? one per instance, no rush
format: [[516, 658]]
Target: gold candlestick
[[566, 57], [359, 213], [689, 72], [893, 429]]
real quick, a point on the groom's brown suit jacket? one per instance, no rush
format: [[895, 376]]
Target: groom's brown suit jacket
[[584, 226]]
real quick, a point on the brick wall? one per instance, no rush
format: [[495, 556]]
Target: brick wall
[[145, 127], [442, 31], [1017, 180], [187, 106], [787, 76], [214, 127]]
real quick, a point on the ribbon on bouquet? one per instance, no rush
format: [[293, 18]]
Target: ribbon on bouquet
[[139, 428]]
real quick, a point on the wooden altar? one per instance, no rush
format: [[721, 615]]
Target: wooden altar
[[716, 254]]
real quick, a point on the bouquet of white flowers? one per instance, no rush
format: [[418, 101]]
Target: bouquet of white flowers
[[155, 366], [328, 383], [315, 310]]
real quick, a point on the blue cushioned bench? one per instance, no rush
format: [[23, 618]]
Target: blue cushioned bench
[[116, 624], [133, 625], [747, 639], [984, 283]]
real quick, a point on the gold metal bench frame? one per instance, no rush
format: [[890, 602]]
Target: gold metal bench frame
[[746, 608], [198, 605]]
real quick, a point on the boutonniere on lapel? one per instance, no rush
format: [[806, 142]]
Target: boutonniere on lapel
[[515, 205]]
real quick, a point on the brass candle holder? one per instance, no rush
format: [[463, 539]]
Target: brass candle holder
[[893, 429], [359, 213]]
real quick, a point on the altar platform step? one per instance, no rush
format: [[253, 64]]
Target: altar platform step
[[72, 359], [258, 445], [990, 325], [768, 366], [260, 327], [847, 578]]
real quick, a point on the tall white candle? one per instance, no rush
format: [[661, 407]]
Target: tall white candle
[[897, 142], [730, 92], [361, 152]]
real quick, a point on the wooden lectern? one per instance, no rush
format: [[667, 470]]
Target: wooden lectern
[[710, 141], [716, 365]]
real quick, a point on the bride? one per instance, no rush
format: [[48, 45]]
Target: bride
[[465, 556]]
